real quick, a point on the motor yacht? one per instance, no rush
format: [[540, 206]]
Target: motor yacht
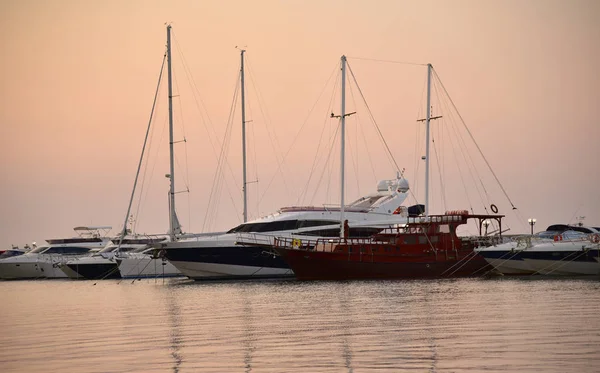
[[224, 256], [103, 264], [44, 261], [559, 250]]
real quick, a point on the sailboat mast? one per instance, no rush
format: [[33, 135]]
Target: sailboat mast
[[244, 136], [171, 142], [343, 144], [427, 120]]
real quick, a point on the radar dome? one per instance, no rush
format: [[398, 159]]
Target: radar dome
[[403, 185]]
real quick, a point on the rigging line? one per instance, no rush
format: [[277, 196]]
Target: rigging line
[[462, 179], [158, 149], [472, 138], [300, 130], [147, 161], [137, 174], [210, 131], [304, 192], [388, 61], [181, 120], [222, 160], [274, 143], [478, 183], [254, 142], [324, 127], [373, 119], [215, 190], [440, 165], [355, 161], [327, 162], [418, 140], [449, 116]]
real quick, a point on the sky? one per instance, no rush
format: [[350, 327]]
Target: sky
[[77, 81]]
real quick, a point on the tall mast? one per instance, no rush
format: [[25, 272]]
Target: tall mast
[[171, 142], [343, 144], [244, 185], [427, 120]]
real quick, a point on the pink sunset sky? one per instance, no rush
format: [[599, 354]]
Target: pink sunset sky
[[78, 78]]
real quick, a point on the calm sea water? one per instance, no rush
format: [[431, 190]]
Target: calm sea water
[[466, 325]]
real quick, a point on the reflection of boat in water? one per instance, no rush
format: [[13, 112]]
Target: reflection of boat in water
[[44, 261], [425, 247], [560, 250]]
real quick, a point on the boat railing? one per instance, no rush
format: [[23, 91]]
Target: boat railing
[[323, 244], [254, 239]]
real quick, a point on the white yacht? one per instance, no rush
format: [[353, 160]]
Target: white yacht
[[561, 250], [44, 261], [145, 264], [222, 256], [102, 264]]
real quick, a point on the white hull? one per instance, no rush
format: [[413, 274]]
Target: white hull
[[50, 267], [13, 270], [138, 267], [69, 272], [213, 271], [563, 268], [511, 266]]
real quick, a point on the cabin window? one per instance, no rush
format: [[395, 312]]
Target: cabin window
[[422, 240], [444, 228], [67, 250], [315, 223], [410, 240]]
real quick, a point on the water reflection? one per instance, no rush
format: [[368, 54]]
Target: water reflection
[[174, 316], [461, 326], [247, 318]]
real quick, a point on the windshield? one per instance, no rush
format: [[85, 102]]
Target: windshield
[[38, 250], [9, 253]]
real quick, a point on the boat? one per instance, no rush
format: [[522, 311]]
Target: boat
[[44, 261], [104, 264], [560, 250], [145, 264], [236, 254], [424, 247], [114, 261], [14, 251]]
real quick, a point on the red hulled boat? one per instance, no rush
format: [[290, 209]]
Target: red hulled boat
[[424, 247]]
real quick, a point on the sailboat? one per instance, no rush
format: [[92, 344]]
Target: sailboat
[[244, 251], [425, 246], [132, 255]]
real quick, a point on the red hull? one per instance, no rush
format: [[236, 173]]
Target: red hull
[[314, 265]]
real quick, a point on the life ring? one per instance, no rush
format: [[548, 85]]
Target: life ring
[[595, 238], [494, 208], [558, 237], [296, 243]]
